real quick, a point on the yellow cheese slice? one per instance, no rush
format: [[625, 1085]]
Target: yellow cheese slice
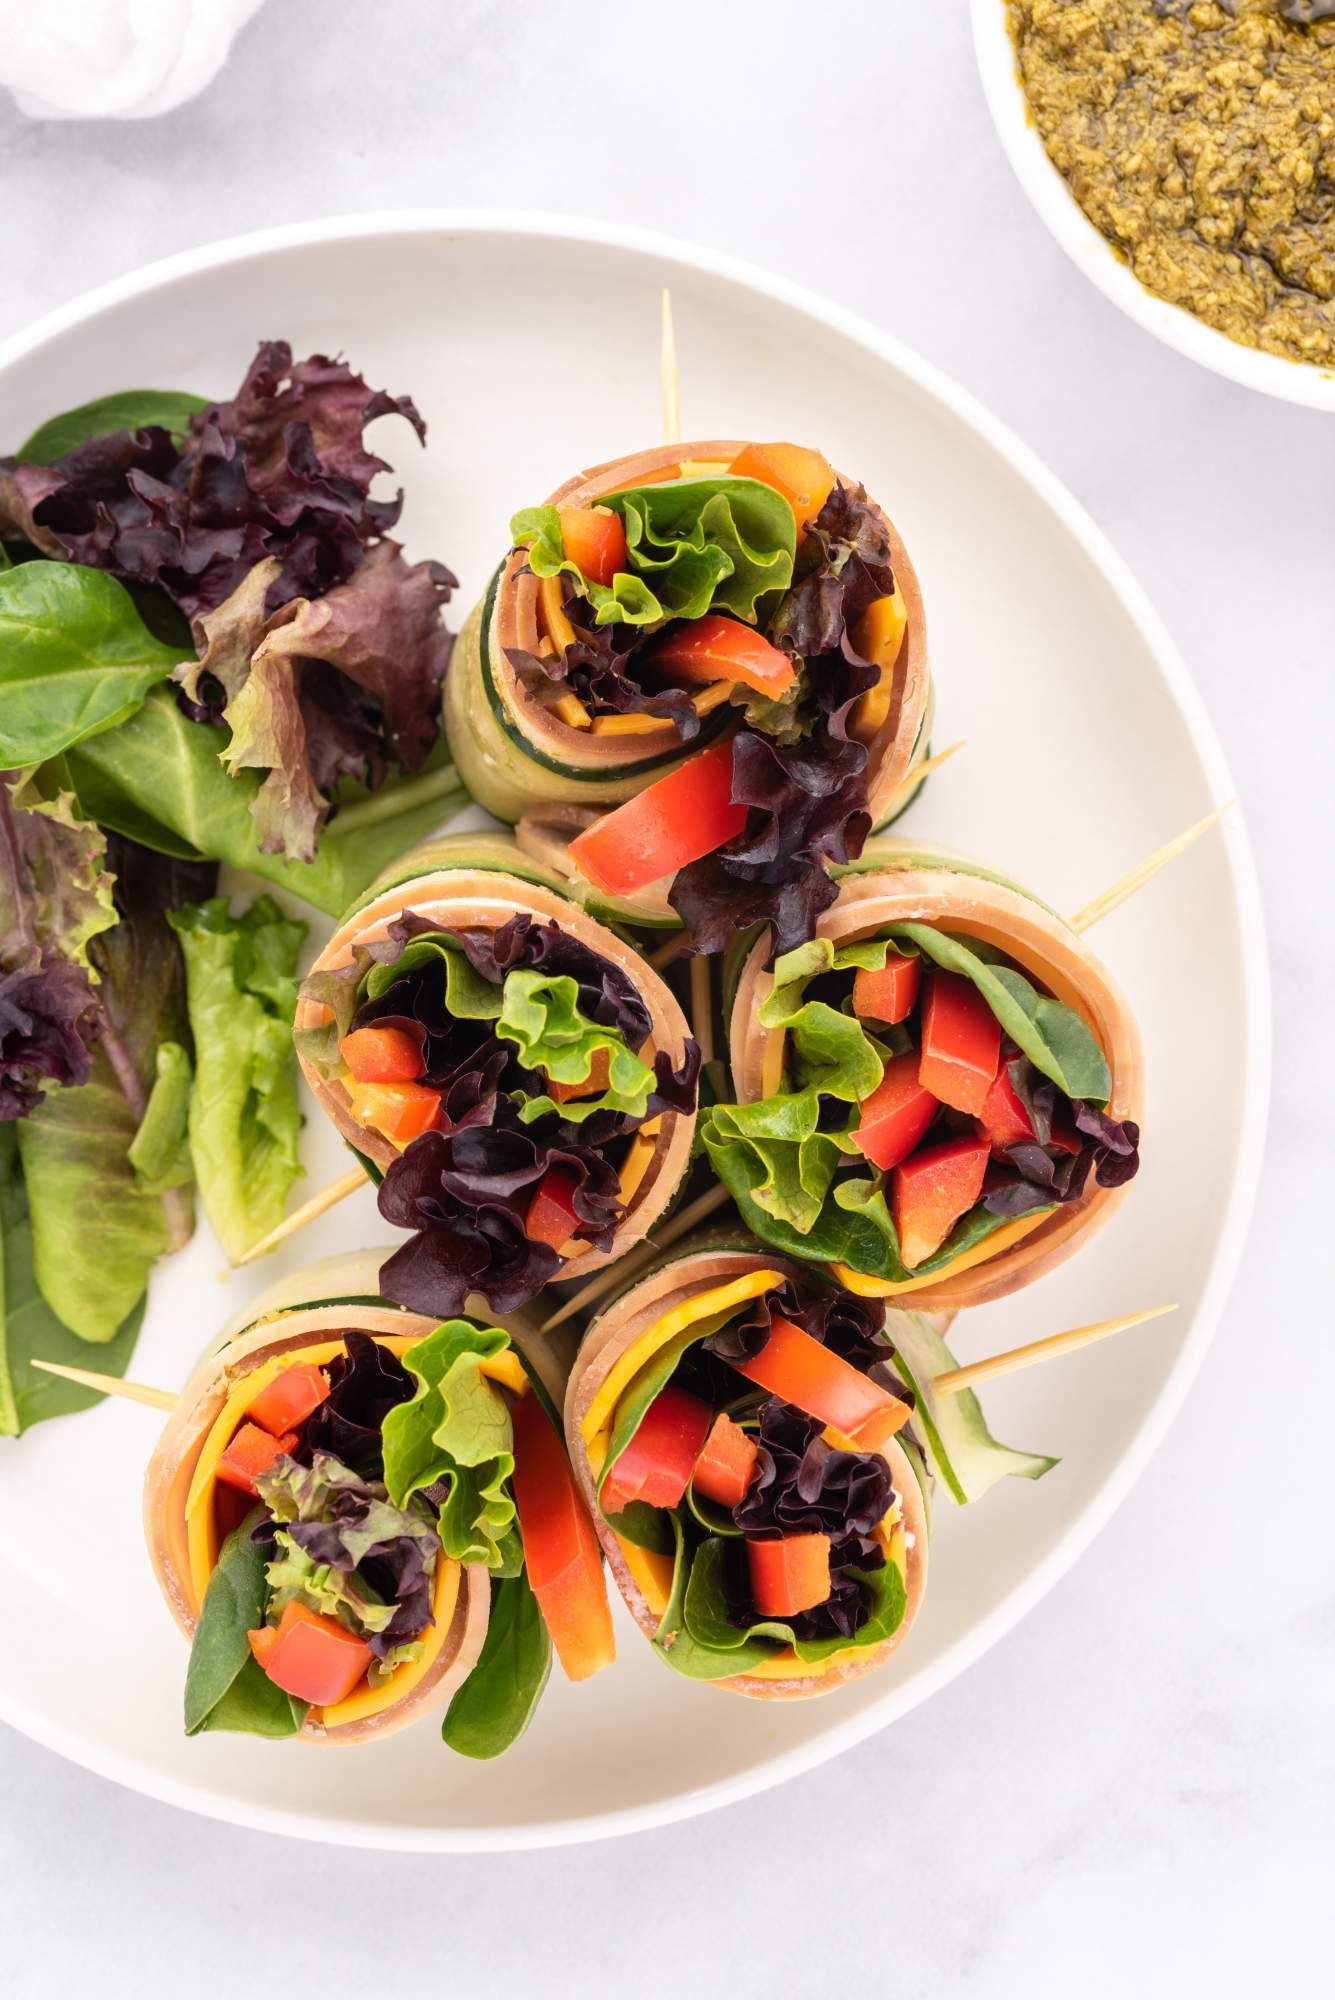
[[364, 1701], [704, 468], [887, 1288], [559, 628], [637, 724], [619, 1376], [871, 708], [638, 1155]]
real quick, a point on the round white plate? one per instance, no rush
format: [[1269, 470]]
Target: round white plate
[[1291, 381], [531, 345]]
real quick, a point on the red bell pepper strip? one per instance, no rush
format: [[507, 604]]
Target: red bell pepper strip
[[789, 1575], [896, 1114], [382, 1055], [595, 541], [688, 813], [723, 1470], [551, 1217], [656, 1465], [931, 1191], [561, 1554], [250, 1452], [715, 648], [794, 1365], [961, 1043], [401, 1112], [804, 478], [285, 1403], [1003, 1120], [887, 994], [310, 1656]]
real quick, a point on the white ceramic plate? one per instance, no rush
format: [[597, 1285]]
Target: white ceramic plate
[[531, 346], [1292, 381]]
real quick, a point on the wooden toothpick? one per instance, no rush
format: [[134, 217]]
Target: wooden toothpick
[[1145, 871], [328, 1197], [110, 1385], [665, 954], [702, 1008], [670, 381], [632, 1263], [954, 1379]]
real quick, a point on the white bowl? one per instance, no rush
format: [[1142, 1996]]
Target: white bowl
[[531, 345], [1292, 381]]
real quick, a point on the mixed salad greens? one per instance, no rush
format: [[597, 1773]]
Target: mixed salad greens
[[211, 651], [930, 1096], [355, 1486], [507, 1068], [761, 598]]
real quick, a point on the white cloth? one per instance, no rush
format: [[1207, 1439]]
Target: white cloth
[[114, 58]]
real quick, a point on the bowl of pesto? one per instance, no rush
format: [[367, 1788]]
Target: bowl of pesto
[[1182, 152]]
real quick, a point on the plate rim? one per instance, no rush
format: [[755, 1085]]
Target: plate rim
[[1296, 382], [1255, 977]]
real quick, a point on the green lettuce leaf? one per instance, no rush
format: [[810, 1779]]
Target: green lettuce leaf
[[160, 1149], [224, 1688], [693, 545], [55, 889], [76, 658], [30, 1331], [540, 1014], [495, 1704], [457, 1430], [244, 1117]]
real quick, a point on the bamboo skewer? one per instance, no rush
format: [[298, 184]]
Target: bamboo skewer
[[629, 1265], [665, 954], [111, 1385], [328, 1197], [702, 1008], [955, 1379], [669, 378], [1145, 871], [915, 777], [950, 1383]]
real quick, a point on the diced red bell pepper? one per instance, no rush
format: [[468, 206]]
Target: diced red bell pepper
[[1004, 1120], [310, 1656], [561, 1554], [382, 1055], [598, 1078], [285, 1403], [887, 994], [715, 648], [804, 477], [931, 1191], [551, 1217], [724, 1467], [250, 1452], [656, 1465], [961, 1043], [896, 1114], [799, 1368], [789, 1575], [401, 1112], [595, 541], [688, 813]]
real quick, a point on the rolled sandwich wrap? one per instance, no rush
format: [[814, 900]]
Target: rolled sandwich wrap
[[940, 1096], [666, 604], [536, 1093], [381, 1522], [652, 1398]]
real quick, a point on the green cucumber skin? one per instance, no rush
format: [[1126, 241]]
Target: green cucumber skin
[[507, 775]]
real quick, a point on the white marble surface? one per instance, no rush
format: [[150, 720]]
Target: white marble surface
[[1135, 1792]]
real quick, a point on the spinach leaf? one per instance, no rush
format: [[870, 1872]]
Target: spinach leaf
[[29, 1330], [76, 658], [157, 778], [692, 545], [712, 1642], [495, 1704], [457, 1430], [126, 410], [245, 1121], [224, 1687], [1052, 1035]]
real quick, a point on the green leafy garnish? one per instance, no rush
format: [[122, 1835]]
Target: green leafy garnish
[[494, 1706], [224, 1687], [457, 1431]]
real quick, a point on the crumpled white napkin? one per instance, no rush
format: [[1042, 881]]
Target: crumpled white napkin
[[114, 58]]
